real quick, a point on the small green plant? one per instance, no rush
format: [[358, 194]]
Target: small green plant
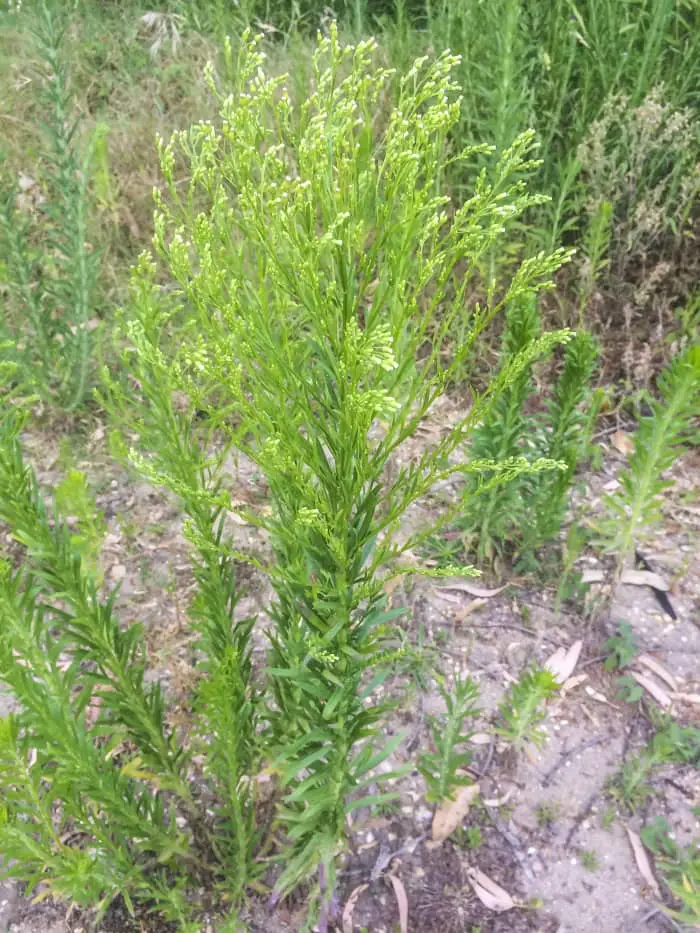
[[636, 507], [495, 515], [90, 738], [680, 869], [596, 245], [589, 860], [672, 743], [52, 266], [522, 711], [571, 585], [608, 817], [469, 837], [530, 512], [621, 648], [547, 814], [565, 431], [445, 769]]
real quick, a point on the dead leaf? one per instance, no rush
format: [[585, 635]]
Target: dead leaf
[[686, 697], [563, 661], [656, 668], [491, 895], [401, 900], [651, 687], [118, 572], [644, 578], [471, 608], [480, 738], [500, 801], [574, 682], [642, 860], [600, 697], [592, 576], [623, 443], [349, 908], [450, 813], [462, 587]]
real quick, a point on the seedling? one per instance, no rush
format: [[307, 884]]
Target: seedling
[[445, 769], [621, 648], [547, 814], [589, 860], [522, 711]]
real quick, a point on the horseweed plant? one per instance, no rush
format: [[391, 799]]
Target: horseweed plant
[[320, 269], [46, 327], [445, 769], [93, 781], [636, 506], [530, 512], [522, 711]]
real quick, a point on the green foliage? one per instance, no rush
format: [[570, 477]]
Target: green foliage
[[561, 68], [522, 711], [589, 860], [52, 267], [671, 743], [182, 458], [530, 511], [495, 516], [636, 507], [596, 244], [315, 256], [565, 430], [621, 648], [75, 500], [680, 868], [444, 769], [90, 740]]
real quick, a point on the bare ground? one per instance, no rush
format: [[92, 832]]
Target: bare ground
[[551, 833]]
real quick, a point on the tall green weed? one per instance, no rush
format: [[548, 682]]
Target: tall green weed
[[48, 321], [319, 271]]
